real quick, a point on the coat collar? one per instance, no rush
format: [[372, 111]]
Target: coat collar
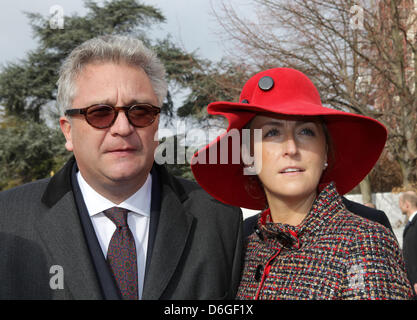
[[409, 224], [171, 236], [327, 203], [59, 185], [61, 231]]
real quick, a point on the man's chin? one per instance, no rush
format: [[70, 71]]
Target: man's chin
[[119, 175], [122, 177]]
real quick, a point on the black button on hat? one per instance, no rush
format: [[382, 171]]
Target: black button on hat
[[266, 83]]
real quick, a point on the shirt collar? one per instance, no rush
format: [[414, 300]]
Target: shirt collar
[[139, 202], [412, 216]]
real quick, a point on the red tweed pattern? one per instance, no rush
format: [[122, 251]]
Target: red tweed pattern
[[121, 255], [332, 254]]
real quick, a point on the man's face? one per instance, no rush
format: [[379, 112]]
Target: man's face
[[403, 206], [121, 156]]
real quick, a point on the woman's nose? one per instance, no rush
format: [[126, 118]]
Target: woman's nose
[[290, 145]]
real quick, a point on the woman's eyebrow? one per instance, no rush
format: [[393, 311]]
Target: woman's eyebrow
[[279, 123], [306, 122], [273, 123]]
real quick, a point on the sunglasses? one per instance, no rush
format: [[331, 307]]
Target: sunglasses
[[102, 116]]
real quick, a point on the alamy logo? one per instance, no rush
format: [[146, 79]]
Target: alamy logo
[[57, 19], [236, 147], [56, 282], [356, 277]]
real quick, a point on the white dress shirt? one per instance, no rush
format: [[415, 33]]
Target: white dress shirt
[[412, 216], [139, 205]]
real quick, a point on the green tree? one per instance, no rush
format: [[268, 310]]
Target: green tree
[[30, 151], [220, 81], [28, 86]]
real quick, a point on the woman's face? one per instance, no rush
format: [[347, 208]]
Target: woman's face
[[294, 153]]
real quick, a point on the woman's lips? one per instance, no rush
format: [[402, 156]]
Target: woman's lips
[[291, 171]]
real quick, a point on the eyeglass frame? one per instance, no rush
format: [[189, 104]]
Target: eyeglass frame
[[116, 110]]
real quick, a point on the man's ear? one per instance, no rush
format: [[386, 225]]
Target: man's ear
[[66, 130]]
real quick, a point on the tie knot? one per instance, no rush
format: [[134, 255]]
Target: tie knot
[[118, 216]]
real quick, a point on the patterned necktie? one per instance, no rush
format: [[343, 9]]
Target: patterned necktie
[[121, 255]]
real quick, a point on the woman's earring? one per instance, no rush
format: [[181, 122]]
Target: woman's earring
[[325, 165]]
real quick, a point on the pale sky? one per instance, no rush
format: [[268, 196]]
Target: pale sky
[[189, 22], [15, 33]]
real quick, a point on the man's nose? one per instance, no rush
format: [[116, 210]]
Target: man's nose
[[121, 125]]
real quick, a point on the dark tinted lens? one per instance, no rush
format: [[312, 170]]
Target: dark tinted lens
[[142, 115], [100, 116]]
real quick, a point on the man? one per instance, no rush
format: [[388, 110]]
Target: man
[[112, 223], [408, 206]]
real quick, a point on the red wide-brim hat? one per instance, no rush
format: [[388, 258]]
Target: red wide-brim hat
[[358, 141]]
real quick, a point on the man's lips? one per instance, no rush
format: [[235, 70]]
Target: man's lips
[[122, 150]]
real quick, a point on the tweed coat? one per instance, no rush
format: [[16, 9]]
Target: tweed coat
[[332, 254]]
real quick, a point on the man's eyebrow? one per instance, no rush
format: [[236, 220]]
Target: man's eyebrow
[[138, 101], [111, 102], [98, 101]]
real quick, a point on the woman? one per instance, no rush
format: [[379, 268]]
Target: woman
[[304, 156]]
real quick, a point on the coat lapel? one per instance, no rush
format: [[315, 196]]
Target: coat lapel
[[171, 237], [61, 232], [408, 225]]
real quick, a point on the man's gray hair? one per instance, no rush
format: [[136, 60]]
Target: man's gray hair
[[409, 196], [117, 49]]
